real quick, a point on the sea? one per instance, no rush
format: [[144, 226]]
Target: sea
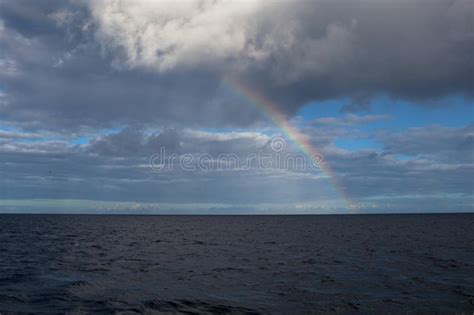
[[75, 264]]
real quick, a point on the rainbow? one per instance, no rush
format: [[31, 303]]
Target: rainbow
[[271, 111]]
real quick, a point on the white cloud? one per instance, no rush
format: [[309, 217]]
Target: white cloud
[[162, 36], [228, 136], [351, 119]]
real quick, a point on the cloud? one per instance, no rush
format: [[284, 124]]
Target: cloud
[[351, 119], [343, 48], [450, 145], [116, 167], [429, 160], [163, 36], [132, 142], [18, 135], [358, 103], [98, 64]]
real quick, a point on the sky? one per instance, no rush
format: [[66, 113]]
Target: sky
[[237, 107]]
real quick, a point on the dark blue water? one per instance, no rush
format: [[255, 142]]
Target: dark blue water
[[238, 264]]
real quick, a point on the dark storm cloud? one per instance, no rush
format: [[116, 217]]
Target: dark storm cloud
[[78, 64], [418, 50]]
